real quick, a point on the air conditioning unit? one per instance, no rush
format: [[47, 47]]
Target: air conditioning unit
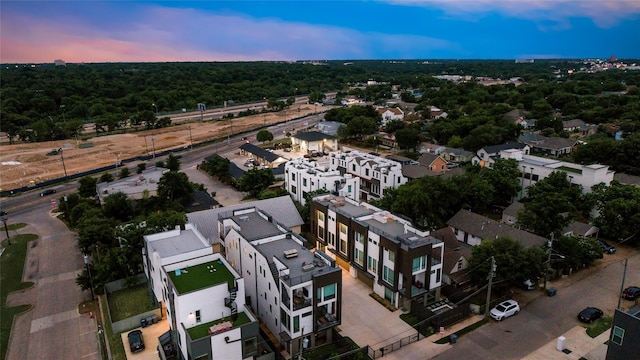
[[290, 253]]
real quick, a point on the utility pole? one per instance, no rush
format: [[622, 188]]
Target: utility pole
[[491, 275], [6, 230], [63, 167], [153, 145], [624, 275], [548, 262], [190, 137]]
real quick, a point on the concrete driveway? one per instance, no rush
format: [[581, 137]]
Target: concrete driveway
[[150, 335], [365, 320]]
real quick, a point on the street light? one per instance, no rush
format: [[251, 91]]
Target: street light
[[155, 107], [63, 116], [86, 263], [4, 220]]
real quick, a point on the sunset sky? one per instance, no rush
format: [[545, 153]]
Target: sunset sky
[[152, 31]]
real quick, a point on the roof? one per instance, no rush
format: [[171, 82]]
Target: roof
[[517, 113], [394, 110], [627, 179], [579, 228], [512, 210], [133, 185], [427, 159], [530, 137], [495, 149], [185, 242], [453, 248], [260, 152], [202, 201], [281, 208], [457, 151], [252, 226], [540, 141], [401, 159], [573, 123], [486, 228], [313, 136]]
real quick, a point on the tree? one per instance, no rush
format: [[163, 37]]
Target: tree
[[172, 163], [87, 186], [117, 206], [95, 230], [140, 168], [175, 186], [618, 208], [264, 135], [408, 138], [217, 166], [316, 97], [504, 180], [360, 126], [256, 180], [124, 172], [105, 177]]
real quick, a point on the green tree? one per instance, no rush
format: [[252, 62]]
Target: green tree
[[360, 126], [175, 186], [87, 186], [408, 138], [117, 206], [618, 208], [95, 230], [172, 163], [218, 167], [140, 168], [105, 177], [316, 97], [264, 135], [256, 180], [124, 173], [504, 180]]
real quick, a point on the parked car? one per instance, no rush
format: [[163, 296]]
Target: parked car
[[505, 309], [631, 293], [3, 213], [136, 341], [606, 248], [590, 314], [47, 192]]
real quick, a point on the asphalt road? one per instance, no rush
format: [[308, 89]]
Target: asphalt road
[[546, 318], [53, 328]]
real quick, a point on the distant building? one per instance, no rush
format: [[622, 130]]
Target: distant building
[[59, 62], [135, 186], [308, 142], [390, 114], [487, 156], [303, 176]]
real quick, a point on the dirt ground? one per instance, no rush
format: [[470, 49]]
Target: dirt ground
[[24, 164]]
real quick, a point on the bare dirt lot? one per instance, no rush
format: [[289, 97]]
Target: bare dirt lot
[[24, 164]]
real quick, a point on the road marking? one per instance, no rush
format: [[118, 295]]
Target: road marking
[[59, 277], [87, 332], [51, 320], [93, 353]]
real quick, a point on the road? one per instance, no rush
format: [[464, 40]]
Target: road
[[546, 318], [53, 328]]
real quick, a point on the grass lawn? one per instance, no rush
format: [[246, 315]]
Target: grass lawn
[[412, 320], [13, 227], [461, 332], [200, 331], [115, 341], [599, 326], [129, 302], [331, 350], [12, 265]]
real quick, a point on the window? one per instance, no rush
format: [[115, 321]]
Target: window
[[327, 292], [387, 274], [617, 335], [304, 182], [359, 257], [293, 189], [293, 176], [343, 246], [419, 263], [343, 228], [366, 172], [460, 263], [307, 314], [359, 238], [250, 346], [296, 324], [372, 264], [349, 188], [391, 256], [320, 216], [285, 319], [320, 232], [353, 167], [332, 239], [438, 275], [198, 317]]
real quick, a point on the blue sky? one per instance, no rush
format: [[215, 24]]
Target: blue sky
[[139, 31]]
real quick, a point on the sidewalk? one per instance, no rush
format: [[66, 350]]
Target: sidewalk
[[578, 345]]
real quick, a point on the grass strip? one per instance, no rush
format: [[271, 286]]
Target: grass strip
[[461, 332], [599, 326]]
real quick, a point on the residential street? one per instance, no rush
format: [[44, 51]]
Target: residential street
[[546, 318]]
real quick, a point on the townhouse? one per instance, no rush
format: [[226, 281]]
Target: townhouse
[[397, 261], [296, 293], [376, 173], [304, 175], [202, 296], [534, 168]]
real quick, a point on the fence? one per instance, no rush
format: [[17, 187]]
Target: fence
[[376, 353], [131, 322]]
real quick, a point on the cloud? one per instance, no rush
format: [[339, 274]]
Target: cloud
[[604, 13], [157, 33]]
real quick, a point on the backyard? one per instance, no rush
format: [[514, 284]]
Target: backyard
[[129, 302]]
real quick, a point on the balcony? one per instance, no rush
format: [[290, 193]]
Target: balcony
[[201, 330], [326, 321], [300, 302]]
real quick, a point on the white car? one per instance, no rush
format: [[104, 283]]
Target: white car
[[505, 309]]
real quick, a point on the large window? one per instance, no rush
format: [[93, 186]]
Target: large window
[[296, 324], [343, 228], [359, 257], [332, 239], [387, 274], [359, 238], [391, 255], [617, 335], [327, 292], [419, 263], [343, 246], [250, 347], [372, 264], [304, 182], [285, 319], [321, 232], [320, 216]]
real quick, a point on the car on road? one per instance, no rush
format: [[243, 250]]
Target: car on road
[[505, 309], [3, 213], [136, 341], [590, 315], [631, 293], [606, 248], [47, 192]]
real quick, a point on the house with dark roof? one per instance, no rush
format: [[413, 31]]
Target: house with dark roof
[[413, 172], [471, 228], [487, 156], [202, 201], [263, 156], [572, 125], [433, 162], [510, 213], [518, 117], [578, 228], [553, 146], [310, 141], [456, 155], [456, 258]]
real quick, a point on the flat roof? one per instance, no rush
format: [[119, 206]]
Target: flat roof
[[254, 227], [185, 242], [135, 184], [201, 276]]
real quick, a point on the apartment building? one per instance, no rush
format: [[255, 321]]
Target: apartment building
[[534, 168], [303, 175], [376, 173], [295, 292], [399, 262], [202, 296]]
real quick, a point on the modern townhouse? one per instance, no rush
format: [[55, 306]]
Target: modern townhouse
[[535, 168], [397, 261], [202, 296], [296, 293], [303, 176], [376, 173]]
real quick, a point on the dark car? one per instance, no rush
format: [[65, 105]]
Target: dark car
[[47, 192], [606, 248], [136, 341], [590, 314], [631, 293], [3, 213]]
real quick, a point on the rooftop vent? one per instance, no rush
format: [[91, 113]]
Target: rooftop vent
[[243, 218], [290, 253], [308, 267]]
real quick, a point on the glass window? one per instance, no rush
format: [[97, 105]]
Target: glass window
[[343, 246], [366, 172], [343, 228], [617, 335], [293, 189], [296, 324], [320, 216], [392, 256], [387, 274], [372, 264], [320, 232], [329, 291], [359, 238], [198, 318], [304, 182], [250, 347], [293, 176], [359, 257]]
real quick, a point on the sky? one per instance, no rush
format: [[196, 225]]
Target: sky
[[241, 30]]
